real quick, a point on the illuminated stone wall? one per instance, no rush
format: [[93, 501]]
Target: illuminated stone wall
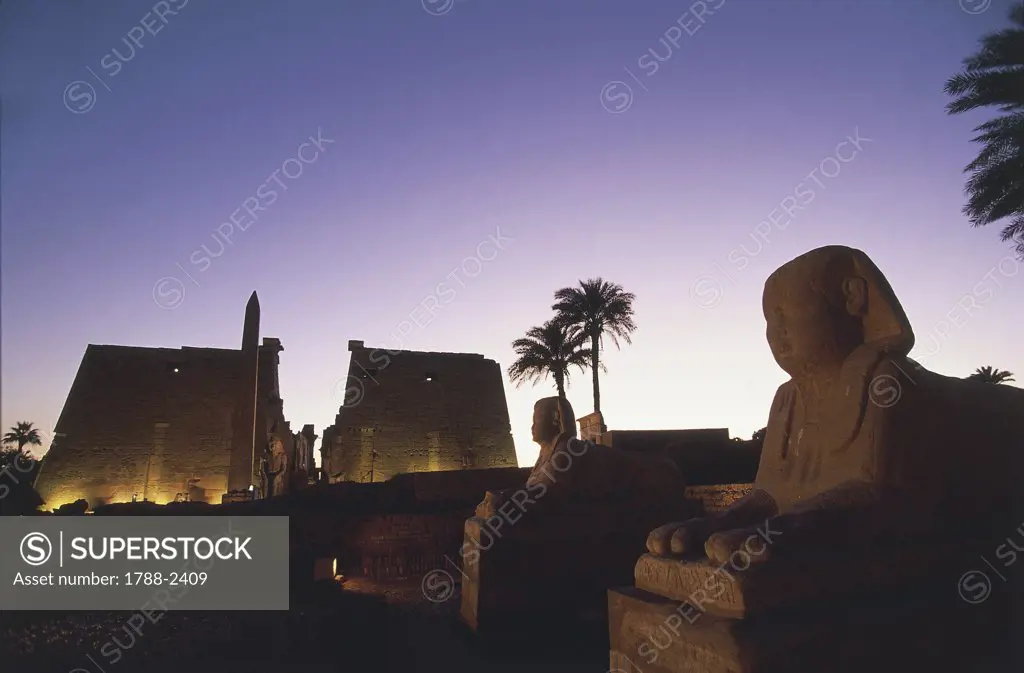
[[152, 423], [409, 411]]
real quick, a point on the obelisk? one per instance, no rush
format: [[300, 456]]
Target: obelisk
[[243, 436]]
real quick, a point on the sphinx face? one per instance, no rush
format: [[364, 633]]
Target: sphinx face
[[805, 330], [541, 429], [547, 424]]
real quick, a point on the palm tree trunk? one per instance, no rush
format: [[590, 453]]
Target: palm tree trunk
[[595, 340], [560, 384]]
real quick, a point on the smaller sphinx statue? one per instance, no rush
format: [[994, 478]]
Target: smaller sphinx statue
[[571, 470], [585, 512]]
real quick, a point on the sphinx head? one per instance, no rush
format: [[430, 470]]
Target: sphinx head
[[827, 303], [552, 417]]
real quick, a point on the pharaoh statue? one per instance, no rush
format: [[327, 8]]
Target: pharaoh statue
[[300, 463], [863, 447], [275, 468], [301, 452], [569, 469]]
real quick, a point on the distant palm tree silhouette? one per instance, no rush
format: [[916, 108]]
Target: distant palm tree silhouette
[[988, 374], [594, 309], [22, 433], [550, 349]]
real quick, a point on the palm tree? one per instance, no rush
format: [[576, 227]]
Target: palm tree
[[550, 349], [594, 309], [22, 433], [988, 374], [994, 77], [18, 472]]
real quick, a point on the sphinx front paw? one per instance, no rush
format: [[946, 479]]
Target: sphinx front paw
[[659, 541], [740, 548], [679, 538]]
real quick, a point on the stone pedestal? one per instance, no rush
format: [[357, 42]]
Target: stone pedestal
[[591, 427], [546, 573], [738, 590], [882, 621], [236, 496]]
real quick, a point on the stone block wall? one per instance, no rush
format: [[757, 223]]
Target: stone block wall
[[408, 411], [717, 497], [423, 535], [591, 427], [705, 456], [402, 528], [400, 546], [465, 485]]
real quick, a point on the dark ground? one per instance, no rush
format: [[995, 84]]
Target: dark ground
[[364, 628]]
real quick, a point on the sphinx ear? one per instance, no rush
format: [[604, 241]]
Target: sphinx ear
[[855, 290]]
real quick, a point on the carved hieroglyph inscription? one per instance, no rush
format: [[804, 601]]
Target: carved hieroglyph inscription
[[710, 588], [652, 642]]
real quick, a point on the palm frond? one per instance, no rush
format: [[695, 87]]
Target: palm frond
[[552, 349], [993, 77], [1003, 89], [22, 433], [989, 374]]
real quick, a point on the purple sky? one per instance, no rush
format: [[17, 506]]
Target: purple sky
[[441, 130]]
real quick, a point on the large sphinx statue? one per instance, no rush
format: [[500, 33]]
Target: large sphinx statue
[[862, 443], [877, 479]]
